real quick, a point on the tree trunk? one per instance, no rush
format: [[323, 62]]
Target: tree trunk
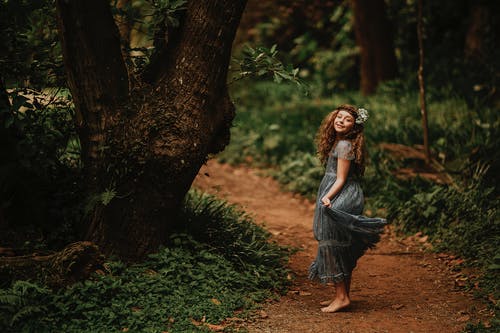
[[96, 72], [144, 148], [374, 37], [479, 21], [421, 82]]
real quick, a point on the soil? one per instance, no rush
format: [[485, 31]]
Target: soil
[[399, 286]]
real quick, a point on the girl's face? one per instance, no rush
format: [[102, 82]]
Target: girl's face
[[343, 123]]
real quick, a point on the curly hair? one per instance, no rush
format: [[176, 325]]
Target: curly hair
[[326, 138]]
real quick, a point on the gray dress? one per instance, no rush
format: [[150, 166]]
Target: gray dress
[[343, 234]]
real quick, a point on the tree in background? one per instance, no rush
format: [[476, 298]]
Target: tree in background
[[482, 37], [144, 140], [374, 36], [421, 81]]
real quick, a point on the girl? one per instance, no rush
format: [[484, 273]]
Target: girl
[[342, 233]]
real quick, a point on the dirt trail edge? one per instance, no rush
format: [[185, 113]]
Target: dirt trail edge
[[397, 287]]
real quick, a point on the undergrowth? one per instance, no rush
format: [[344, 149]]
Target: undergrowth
[[219, 263]]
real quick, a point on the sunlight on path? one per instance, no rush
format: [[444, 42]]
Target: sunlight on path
[[397, 287]]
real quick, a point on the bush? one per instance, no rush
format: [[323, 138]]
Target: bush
[[462, 220]]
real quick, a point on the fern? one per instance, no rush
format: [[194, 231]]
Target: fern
[[26, 312], [24, 300], [8, 300]]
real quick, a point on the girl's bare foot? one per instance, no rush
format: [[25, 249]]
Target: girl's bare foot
[[326, 303], [336, 305]]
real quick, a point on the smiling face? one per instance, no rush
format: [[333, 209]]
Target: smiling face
[[343, 122]]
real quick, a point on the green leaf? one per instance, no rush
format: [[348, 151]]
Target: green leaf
[[107, 196]]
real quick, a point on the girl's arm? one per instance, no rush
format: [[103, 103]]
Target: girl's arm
[[342, 172]]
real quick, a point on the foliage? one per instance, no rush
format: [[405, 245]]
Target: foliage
[[333, 68], [231, 233], [461, 134], [446, 24], [220, 262], [38, 181], [43, 120], [23, 300], [262, 62], [31, 54], [147, 21], [301, 172], [463, 220], [165, 13], [318, 36], [41, 165]]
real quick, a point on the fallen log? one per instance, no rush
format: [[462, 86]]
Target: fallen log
[[74, 263], [431, 170]]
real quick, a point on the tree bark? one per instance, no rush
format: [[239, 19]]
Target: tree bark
[[374, 37], [146, 147]]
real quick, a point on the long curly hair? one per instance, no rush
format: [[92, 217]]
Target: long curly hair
[[326, 138]]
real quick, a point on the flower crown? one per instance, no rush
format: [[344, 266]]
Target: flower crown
[[362, 115]]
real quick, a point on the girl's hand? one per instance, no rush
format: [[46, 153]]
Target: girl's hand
[[326, 201]]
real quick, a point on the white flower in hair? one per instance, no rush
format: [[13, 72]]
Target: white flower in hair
[[362, 116]]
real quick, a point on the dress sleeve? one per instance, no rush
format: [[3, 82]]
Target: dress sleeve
[[344, 150]]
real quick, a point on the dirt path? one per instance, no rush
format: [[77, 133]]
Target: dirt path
[[396, 287]]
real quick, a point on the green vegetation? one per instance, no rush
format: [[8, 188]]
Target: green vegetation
[[275, 128], [216, 263]]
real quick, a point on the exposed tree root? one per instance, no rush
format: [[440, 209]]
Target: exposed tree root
[[74, 263]]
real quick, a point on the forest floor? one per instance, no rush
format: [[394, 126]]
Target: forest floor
[[399, 286]]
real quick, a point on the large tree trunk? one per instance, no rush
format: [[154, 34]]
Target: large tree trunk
[[145, 146], [374, 37]]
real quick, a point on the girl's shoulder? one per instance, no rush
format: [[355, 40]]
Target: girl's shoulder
[[343, 149], [344, 144]]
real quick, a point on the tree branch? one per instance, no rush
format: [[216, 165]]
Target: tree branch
[[195, 71], [206, 35], [97, 75]]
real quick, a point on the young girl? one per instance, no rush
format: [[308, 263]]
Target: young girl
[[342, 232]]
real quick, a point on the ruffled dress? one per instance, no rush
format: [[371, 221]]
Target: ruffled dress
[[343, 234]]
